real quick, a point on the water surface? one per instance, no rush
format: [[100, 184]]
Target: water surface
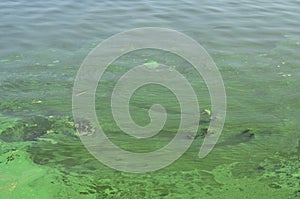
[[255, 46]]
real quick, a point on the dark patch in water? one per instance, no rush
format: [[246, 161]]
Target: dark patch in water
[[242, 137]]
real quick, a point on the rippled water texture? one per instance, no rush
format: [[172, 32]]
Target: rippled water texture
[[255, 45]]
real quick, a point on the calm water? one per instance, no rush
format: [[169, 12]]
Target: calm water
[[255, 45]]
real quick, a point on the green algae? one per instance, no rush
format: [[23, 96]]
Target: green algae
[[97, 181], [32, 128], [152, 64], [57, 160], [263, 95], [246, 187], [41, 154], [18, 174]]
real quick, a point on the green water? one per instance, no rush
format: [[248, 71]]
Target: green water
[[255, 46]]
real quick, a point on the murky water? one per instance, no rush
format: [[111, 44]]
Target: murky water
[[255, 45]]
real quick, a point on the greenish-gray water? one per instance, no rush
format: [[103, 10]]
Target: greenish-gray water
[[255, 45]]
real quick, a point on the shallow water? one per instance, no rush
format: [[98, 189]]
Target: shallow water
[[255, 46]]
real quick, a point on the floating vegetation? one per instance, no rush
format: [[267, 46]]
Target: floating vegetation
[[34, 127], [84, 128], [282, 171], [27, 130], [152, 64]]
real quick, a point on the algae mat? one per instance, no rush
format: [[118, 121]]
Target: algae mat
[[56, 165], [255, 45]]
